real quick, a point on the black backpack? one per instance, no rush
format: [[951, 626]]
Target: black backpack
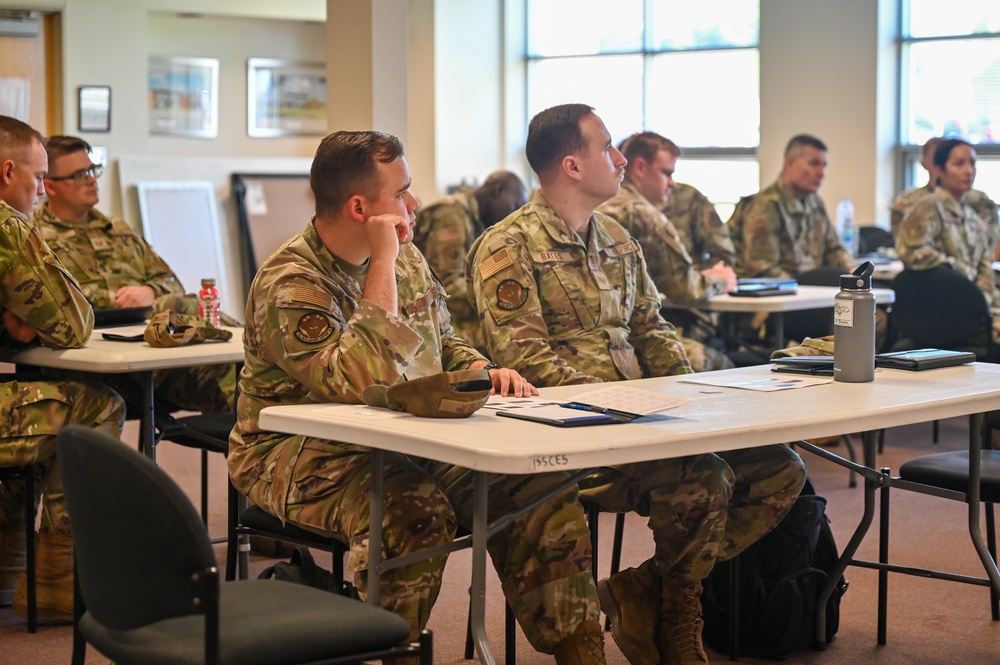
[[780, 579]]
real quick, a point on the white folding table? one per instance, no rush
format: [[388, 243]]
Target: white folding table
[[718, 419], [138, 359]]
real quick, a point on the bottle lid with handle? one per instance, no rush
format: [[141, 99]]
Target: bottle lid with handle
[[860, 279]]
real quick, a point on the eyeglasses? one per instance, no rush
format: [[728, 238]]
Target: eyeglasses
[[80, 177]]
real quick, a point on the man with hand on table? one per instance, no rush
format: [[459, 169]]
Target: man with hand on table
[[117, 268], [39, 301], [349, 303], [565, 298]]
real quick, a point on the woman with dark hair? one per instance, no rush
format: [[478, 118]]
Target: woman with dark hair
[[942, 229]]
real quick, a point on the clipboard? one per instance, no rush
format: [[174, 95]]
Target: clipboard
[[570, 414]]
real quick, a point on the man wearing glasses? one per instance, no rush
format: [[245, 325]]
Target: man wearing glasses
[[117, 268]]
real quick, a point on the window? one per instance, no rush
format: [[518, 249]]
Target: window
[[672, 67], [950, 83]]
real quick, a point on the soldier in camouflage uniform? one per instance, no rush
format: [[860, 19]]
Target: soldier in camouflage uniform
[[975, 199], [702, 231], [444, 233], [347, 303], [564, 296], [942, 229], [117, 268], [648, 181], [785, 230], [39, 300]]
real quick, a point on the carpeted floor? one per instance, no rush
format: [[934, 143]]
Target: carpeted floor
[[930, 622]]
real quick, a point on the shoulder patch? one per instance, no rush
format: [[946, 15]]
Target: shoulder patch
[[495, 263], [623, 248], [315, 297], [313, 328], [511, 294]]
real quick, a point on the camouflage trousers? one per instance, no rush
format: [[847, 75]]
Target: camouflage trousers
[[704, 508], [543, 558], [33, 412], [704, 358]]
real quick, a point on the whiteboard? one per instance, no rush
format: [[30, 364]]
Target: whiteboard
[[180, 221]]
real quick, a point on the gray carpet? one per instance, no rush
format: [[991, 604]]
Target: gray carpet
[[930, 622]]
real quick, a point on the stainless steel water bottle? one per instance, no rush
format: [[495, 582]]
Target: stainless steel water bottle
[[854, 327]]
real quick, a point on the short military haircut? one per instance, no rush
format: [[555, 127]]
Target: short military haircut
[[799, 141], [943, 151], [647, 145], [553, 134], [59, 146], [501, 194], [345, 165], [16, 137]]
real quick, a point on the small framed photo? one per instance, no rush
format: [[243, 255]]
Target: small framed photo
[[285, 98], [184, 96], [94, 108]]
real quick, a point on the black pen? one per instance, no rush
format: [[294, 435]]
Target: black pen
[[618, 415]]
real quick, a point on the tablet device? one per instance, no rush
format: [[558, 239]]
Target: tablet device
[[758, 287], [919, 359], [120, 316]]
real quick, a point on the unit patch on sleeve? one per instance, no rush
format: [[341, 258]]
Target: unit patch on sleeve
[[313, 328], [511, 294]]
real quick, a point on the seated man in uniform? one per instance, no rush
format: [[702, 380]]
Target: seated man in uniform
[[784, 229], [648, 180], [702, 231], [349, 303], [565, 298], [444, 233], [117, 268], [39, 300]]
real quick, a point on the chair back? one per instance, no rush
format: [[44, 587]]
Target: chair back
[[138, 540], [814, 322], [873, 238], [940, 308]]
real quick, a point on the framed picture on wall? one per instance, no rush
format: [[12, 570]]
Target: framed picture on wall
[[184, 96], [285, 98], [94, 108]]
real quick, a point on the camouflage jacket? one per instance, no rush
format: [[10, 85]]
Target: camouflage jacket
[[975, 199], [667, 260], [704, 234], [940, 230], [444, 233], [35, 286], [105, 255], [560, 310], [311, 337], [781, 236]]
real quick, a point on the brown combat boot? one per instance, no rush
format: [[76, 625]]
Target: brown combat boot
[[631, 599], [53, 579], [12, 558], [680, 626], [584, 647]]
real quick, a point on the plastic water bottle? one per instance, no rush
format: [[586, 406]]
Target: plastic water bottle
[[846, 228], [854, 327], [208, 303]]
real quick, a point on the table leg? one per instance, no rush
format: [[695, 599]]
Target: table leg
[[147, 421], [779, 329], [976, 433], [375, 527], [477, 602], [870, 440]]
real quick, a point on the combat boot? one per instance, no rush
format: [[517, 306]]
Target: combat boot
[[584, 647], [12, 558], [631, 599], [680, 626], [53, 580]]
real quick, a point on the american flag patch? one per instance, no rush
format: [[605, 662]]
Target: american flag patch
[[312, 297], [495, 263]]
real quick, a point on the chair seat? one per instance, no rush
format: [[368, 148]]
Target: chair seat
[[301, 625], [258, 519], [951, 471], [213, 428]]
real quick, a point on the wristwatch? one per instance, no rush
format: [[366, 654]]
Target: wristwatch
[[492, 365]]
